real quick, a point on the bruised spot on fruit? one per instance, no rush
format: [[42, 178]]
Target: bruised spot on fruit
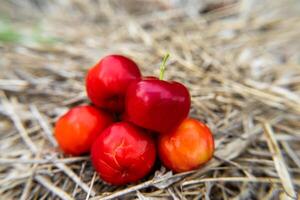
[[124, 173]]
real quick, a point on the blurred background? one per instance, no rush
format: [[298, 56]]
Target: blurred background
[[240, 60], [89, 29]]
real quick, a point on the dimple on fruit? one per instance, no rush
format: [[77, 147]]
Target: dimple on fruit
[[123, 153], [107, 81], [76, 130], [187, 147]]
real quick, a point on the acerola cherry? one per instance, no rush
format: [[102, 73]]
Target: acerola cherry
[[156, 104], [107, 81], [187, 147], [79, 127], [123, 154]]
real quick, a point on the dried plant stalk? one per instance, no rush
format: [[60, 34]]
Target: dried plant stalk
[[239, 59]]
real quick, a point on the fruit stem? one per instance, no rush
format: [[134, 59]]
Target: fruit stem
[[163, 66]]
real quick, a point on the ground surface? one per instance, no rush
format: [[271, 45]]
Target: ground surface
[[239, 59]]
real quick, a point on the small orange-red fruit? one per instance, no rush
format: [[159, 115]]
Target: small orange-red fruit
[[187, 147], [76, 130]]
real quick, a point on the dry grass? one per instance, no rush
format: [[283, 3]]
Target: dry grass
[[239, 59]]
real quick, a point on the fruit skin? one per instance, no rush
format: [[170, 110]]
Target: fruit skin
[[107, 81], [156, 104], [76, 130], [187, 147], [123, 154]]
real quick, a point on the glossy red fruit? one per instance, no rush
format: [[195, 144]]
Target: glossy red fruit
[[123, 154], [156, 104], [187, 147], [107, 81], [76, 130]]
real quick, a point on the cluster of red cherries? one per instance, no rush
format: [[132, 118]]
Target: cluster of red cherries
[[131, 120]]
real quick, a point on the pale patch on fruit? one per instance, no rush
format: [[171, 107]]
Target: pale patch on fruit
[[113, 156], [105, 163], [114, 153]]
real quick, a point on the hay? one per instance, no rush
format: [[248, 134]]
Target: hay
[[239, 59]]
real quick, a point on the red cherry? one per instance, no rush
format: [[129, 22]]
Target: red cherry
[[123, 154], [156, 104], [107, 81], [79, 127]]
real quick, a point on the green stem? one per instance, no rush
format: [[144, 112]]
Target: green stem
[[163, 66]]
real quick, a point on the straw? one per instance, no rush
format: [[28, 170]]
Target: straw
[[239, 59]]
